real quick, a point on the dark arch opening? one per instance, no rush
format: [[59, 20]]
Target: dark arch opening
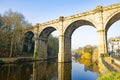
[[48, 44], [46, 32], [28, 46]]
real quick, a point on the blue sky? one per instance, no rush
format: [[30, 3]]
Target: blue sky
[[44, 10], [39, 11]]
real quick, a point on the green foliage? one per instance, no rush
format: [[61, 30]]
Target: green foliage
[[12, 26], [36, 54], [52, 46], [89, 49], [111, 76], [96, 61], [1, 62], [91, 52], [104, 55]]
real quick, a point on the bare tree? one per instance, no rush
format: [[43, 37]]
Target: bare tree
[[13, 29]]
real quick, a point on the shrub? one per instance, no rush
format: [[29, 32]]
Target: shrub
[[1, 62], [111, 76], [104, 55], [36, 54]]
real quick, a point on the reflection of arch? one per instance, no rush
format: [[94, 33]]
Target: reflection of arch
[[43, 41], [115, 17], [28, 46], [73, 26]]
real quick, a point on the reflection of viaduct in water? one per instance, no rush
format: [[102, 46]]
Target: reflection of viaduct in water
[[44, 71], [100, 18], [64, 71], [52, 71]]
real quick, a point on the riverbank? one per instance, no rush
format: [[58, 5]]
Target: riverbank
[[21, 59]]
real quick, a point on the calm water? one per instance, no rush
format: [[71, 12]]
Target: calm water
[[49, 70], [82, 72]]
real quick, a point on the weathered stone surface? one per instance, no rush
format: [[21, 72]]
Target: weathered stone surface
[[101, 18]]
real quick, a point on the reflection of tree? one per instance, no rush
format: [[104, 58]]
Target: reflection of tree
[[89, 65], [15, 72], [86, 55], [86, 62], [27, 71]]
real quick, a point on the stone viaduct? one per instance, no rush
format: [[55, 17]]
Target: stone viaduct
[[100, 18]]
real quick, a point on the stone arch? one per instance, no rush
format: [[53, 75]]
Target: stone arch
[[46, 32], [113, 18], [28, 45], [68, 33], [29, 32], [74, 25], [43, 40]]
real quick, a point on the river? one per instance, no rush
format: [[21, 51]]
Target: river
[[50, 70]]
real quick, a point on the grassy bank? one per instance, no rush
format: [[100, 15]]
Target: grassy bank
[[111, 76]]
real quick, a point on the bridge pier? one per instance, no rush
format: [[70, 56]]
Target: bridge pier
[[64, 54], [61, 49], [43, 48], [101, 18], [40, 49], [102, 42], [35, 47], [68, 54]]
